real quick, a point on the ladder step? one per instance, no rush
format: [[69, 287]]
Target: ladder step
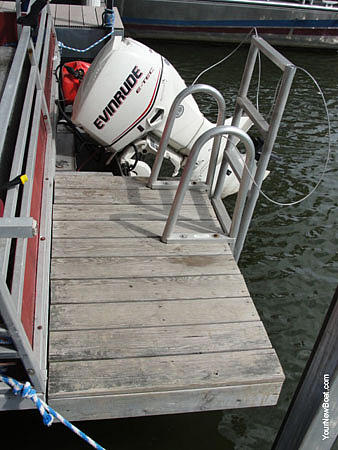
[[254, 115]]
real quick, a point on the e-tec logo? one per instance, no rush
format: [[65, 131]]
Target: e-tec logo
[[118, 98], [146, 78]]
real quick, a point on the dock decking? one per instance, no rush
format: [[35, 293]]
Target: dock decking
[[138, 327], [80, 16]]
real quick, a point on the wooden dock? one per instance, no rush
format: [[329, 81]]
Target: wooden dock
[[80, 16], [138, 327], [73, 16]]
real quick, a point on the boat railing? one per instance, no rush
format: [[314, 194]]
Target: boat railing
[[250, 177], [25, 222]]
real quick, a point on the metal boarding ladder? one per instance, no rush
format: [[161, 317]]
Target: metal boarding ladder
[[250, 177], [16, 228]]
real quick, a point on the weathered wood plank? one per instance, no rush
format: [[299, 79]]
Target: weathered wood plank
[[126, 196], [142, 266], [76, 16], [164, 373], [105, 180], [62, 16], [131, 229], [129, 212], [156, 313], [173, 401], [92, 247], [133, 342], [93, 180], [89, 17], [124, 289]]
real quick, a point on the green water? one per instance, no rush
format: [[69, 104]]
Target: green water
[[289, 262]]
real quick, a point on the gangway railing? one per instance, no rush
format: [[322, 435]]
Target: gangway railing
[[31, 70], [249, 175]]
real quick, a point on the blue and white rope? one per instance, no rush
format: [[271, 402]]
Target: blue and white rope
[[62, 45], [48, 413]]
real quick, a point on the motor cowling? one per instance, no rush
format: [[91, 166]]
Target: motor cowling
[[127, 94], [124, 101]]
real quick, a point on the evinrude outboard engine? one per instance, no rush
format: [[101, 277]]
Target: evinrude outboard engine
[[124, 101]]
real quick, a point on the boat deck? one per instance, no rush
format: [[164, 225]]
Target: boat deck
[[139, 327]]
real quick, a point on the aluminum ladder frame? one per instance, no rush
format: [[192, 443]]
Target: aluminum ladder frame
[[250, 178], [229, 226]]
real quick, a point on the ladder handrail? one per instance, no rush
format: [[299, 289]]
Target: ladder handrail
[[189, 167], [197, 88]]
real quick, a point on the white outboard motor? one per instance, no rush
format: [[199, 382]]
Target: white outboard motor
[[124, 101]]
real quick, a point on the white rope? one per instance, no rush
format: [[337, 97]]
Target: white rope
[[312, 191], [275, 202], [223, 59]]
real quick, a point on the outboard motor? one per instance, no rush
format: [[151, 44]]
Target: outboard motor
[[124, 101]]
